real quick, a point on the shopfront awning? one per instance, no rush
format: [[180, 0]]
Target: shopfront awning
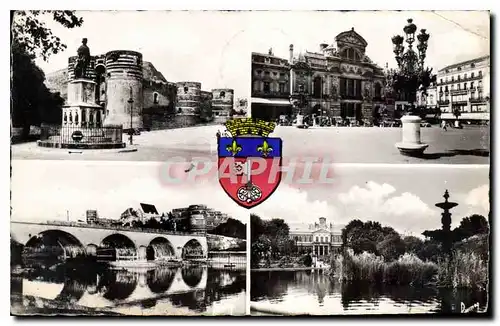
[[267, 101]]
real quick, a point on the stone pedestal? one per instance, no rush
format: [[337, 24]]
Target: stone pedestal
[[82, 109], [411, 144]]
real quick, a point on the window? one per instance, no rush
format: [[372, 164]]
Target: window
[[321, 239], [472, 75], [222, 94], [458, 77], [480, 73], [186, 89], [275, 73], [459, 69], [378, 89], [471, 85], [465, 85], [267, 73], [317, 239], [452, 78], [458, 86], [155, 98], [267, 87], [282, 87], [472, 65], [465, 76]]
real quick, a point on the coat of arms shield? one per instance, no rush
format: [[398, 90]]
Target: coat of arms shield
[[249, 161]]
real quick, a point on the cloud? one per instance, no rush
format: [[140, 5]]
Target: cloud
[[295, 205], [108, 188], [479, 198], [378, 202]]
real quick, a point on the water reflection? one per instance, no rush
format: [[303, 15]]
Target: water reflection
[[315, 293], [194, 288]]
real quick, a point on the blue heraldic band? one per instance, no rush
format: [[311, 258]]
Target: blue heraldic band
[[249, 147]]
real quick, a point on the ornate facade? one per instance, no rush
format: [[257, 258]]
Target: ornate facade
[[340, 81], [320, 239]]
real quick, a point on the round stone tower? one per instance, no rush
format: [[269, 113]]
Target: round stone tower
[[124, 82], [188, 103], [222, 103]]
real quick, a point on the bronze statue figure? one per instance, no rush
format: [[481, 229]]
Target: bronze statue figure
[[83, 61]]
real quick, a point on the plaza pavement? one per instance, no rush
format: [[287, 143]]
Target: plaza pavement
[[337, 144]]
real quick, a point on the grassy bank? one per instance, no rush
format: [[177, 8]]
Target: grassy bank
[[466, 269]]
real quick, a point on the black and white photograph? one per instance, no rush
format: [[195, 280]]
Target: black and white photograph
[[360, 143], [381, 240], [111, 239], [404, 87]]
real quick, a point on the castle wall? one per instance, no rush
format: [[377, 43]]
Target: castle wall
[[188, 102], [222, 102], [124, 79]]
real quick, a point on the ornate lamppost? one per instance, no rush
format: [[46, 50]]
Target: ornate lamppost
[[299, 102], [410, 77]]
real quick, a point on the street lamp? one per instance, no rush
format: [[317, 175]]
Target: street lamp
[[410, 77], [131, 101], [299, 102]]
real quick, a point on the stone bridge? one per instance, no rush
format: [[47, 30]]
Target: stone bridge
[[118, 287], [145, 243]]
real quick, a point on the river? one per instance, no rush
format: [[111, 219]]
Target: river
[[194, 290], [313, 292]]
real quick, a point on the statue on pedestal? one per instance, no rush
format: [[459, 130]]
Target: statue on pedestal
[[83, 61]]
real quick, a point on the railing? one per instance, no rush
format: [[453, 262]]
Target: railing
[[81, 135], [477, 100], [110, 227], [351, 97], [446, 102], [459, 80], [284, 95]]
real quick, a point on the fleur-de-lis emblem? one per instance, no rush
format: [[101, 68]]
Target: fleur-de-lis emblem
[[265, 149], [234, 148]]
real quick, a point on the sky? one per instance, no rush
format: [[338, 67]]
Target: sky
[[214, 47], [402, 197]]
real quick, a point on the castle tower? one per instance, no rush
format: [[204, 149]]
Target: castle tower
[[124, 78], [188, 102], [222, 103]]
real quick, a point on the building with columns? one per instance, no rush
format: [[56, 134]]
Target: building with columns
[[339, 81], [320, 238], [465, 87]]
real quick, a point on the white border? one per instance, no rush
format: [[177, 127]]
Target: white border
[[197, 5]]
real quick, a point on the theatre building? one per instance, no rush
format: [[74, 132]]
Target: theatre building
[[320, 239], [339, 81]]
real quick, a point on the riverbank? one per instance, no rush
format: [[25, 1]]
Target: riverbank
[[291, 269]]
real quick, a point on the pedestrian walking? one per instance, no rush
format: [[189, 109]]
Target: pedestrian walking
[[443, 125]]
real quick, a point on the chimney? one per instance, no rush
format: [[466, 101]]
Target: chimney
[[291, 53]]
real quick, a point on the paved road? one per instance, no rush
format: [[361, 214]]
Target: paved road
[[337, 144]]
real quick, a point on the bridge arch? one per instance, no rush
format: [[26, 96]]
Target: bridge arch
[[192, 250], [54, 244], [160, 280], [160, 248], [117, 285], [192, 275], [122, 245]]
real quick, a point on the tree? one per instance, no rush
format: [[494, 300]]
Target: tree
[[31, 101], [470, 226], [32, 34], [231, 228], [412, 244], [391, 247]]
